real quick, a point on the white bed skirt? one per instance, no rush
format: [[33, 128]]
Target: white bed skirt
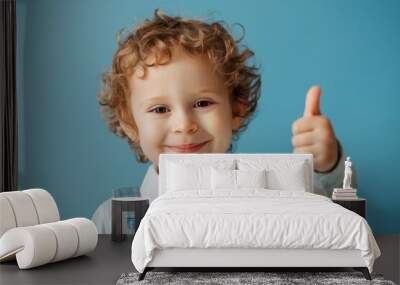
[[196, 257]]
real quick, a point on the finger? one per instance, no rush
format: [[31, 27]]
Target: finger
[[324, 159], [313, 149], [303, 139], [305, 124], [316, 149], [304, 149], [312, 106]]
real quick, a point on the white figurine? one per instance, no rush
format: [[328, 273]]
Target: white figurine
[[347, 174]]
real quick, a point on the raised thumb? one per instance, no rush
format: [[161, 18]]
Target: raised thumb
[[312, 102]]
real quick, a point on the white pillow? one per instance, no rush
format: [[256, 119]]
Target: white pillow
[[251, 178], [223, 179], [281, 174], [291, 179], [183, 175], [226, 179]]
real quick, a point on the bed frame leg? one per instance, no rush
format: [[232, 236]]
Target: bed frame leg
[[143, 274], [364, 271]]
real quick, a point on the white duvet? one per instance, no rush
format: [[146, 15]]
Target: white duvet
[[250, 218]]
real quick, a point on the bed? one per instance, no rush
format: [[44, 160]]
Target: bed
[[245, 211]]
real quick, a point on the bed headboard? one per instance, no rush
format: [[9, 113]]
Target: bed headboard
[[237, 158]]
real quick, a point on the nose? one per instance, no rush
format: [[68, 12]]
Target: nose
[[184, 123]]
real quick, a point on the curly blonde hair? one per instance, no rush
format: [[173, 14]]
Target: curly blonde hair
[[155, 39]]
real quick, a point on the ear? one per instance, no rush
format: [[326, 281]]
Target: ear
[[128, 125], [236, 122], [130, 131], [238, 112]]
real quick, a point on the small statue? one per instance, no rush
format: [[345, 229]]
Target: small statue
[[347, 192], [347, 174]]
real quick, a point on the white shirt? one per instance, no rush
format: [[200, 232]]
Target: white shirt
[[149, 188]]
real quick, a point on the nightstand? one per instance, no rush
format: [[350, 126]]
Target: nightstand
[[138, 205], [357, 205]]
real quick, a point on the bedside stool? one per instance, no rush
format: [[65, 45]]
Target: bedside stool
[[357, 205], [138, 205]]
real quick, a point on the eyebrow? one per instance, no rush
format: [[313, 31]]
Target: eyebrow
[[156, 98], [207, 91]]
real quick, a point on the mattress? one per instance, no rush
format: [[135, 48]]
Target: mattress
[[251, 219]]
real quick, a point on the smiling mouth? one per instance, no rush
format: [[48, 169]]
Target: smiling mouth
[[188, 148]]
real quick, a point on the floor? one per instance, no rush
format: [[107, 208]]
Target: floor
[[388, 263], [111, 259]]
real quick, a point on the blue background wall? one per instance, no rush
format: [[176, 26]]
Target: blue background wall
[[350, 48]]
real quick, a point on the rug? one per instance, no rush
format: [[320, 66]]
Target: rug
[[269, 278]]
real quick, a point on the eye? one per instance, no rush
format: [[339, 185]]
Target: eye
[[159, 110], [203, 103]]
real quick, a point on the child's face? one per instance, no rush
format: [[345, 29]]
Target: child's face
[[181, 107]]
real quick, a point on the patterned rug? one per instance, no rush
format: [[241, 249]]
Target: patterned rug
[[230, 278]]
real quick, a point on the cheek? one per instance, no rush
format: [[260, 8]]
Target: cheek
[[224, 119], [151, 138], [150, 132], [220, 125]]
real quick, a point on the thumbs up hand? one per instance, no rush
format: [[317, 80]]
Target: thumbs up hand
[[313, 133]]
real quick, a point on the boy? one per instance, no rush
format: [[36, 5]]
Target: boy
[[182, 85]]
